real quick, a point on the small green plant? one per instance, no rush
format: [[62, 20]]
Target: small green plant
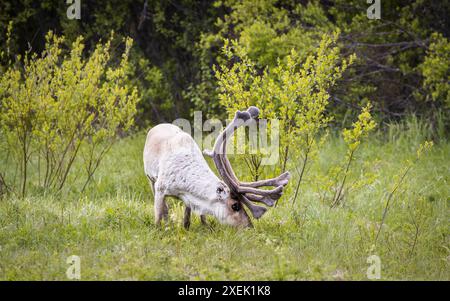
[[423, 148], [419, 211], [353, 138]]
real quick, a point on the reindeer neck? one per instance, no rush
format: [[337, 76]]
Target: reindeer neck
[[195, 176]]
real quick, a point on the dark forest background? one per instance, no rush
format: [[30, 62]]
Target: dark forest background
[[178, 42]]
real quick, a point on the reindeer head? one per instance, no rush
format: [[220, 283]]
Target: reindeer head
[[244, 193], [231, 211]]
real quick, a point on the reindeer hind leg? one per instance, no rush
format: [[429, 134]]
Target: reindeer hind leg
[[187, 217], [203, 220]]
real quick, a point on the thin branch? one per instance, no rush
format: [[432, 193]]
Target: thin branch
[[391, 194], [339, 191]]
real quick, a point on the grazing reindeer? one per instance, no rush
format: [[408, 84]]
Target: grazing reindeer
[[175, 166]]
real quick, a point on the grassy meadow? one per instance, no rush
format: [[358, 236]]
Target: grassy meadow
[[111, 225]]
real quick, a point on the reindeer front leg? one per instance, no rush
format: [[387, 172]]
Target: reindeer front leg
[[160, 206]]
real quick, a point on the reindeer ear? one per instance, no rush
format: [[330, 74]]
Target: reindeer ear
[[221, 192]]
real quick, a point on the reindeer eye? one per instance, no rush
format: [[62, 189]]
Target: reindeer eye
[[219, 190], [236, 207]]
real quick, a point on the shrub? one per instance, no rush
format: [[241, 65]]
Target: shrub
[[58, 105], [295, 91]]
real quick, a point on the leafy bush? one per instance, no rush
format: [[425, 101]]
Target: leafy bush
[[60, 106], [295, 91]]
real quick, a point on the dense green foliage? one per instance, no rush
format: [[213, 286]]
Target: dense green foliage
[[401, 66]]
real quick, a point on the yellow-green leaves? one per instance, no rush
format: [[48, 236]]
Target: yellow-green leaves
[[61, 104], [360, 129], [353, 137], [295, 91], [436, 69], [424, 148]]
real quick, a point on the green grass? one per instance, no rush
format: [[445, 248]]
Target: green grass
[[111, 226]]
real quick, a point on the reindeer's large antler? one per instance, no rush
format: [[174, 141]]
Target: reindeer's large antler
[[246, 192]]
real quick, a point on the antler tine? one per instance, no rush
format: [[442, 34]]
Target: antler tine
[[281, 180], [257, 211], [260, 199]]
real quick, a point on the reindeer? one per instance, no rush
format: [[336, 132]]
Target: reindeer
[[176, 167]]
